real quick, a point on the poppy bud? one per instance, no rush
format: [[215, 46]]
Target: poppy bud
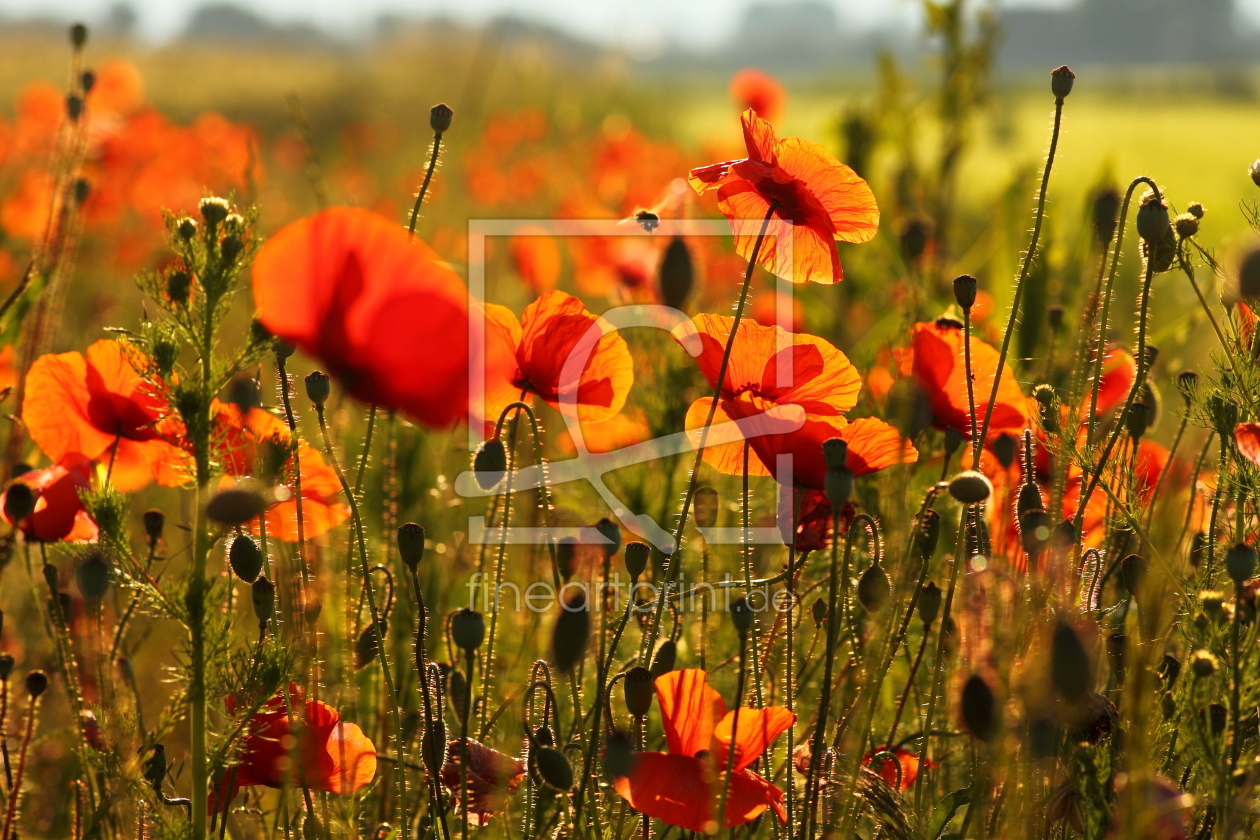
[[566, 557], [611, 532], [93, 575], [1048, 401], [819, 611], [965, 291], [874, 588], [78, 35], [571, 632], [36, 683], [468, 629], [1203, 664], [742, 616], [1106, 208], [637, 685], [6, 665], [245, 558], [1254, 172], [1061, 79], [705, 501], [433, 746], [490, 463], [1187, 384], [311, 611], [213, 210], [929, 534], [1240, 563], [51, 577], [1063, 537], [553, 767], [838, 485], [1029, 500], [154, 524], [1169, 669], [929, 603], [677, 274], [318, 387], [1159, 245], [636, 558], [411, 544], [1133, 573], [178, 286], [263, 594], [235, 506], [440, 116], [1186, 225], [619, 758], [457, 690], [19, 502], [155, 767], [908, 408], [1136, 420], [242, 392], [283, 349], [1034, 528], [366, 647], [979, 709], [1054, 317], [970, 487], [1071, 671], [665, 659]]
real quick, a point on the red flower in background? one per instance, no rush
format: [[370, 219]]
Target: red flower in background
[[909, 763], [101, 407], [823, 385], [387, 317], [537, 258], [539, 345], [817, 202], [59, 513], [675, 786], [1119, 371], [492, 778], [760, 92]]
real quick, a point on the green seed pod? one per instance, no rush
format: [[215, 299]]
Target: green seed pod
[[838, 485], [245, 558], [929, 534], [490, 463], [706, 503], [36, 683], [1004, 449], [19, 502], [619, 756], [468, 629], [440, 116], [93, 575], [263, 593], [318, 387], [965, 292], [235, 506], [1061, 79], [571, 632], [636, 559], [78, 35], [665, 659], [457, 690], [742, 616], [874, 588], [1137, 420], [154, 524], [1159, 243], [554, 768], [930, 598], [819, 612], [611, 532], [1240, 563], [637, 686], [980, 711], [970, 487], [1035, 531], [283, 349], [677, 274], [1071, 671], [411, 544], [835, 453]]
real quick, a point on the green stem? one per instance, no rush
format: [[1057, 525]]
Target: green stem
[[720, 817], [424, 188]]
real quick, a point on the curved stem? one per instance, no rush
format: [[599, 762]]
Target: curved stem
[[424, 188]]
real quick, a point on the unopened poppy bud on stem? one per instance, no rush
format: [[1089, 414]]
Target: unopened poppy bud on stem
[[245, 558], [929, 603], [235, 506], [36, 683], [490, 463], [980, 711], [637, 686], [742, 616], [78, 35], [6, 665], [571, 632], [263, 594], [874, 588], [318, 387], [154, 524], [665, 659], [93, 575], [411, 544], [1240, 563], [440, 116], [1061, 80], [468, 629]]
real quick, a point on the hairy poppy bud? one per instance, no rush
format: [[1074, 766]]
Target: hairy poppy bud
[[1071, 670], [677, 274], [440, 116], [571, 632], [6, 665], [433, 746], [1029, 500], [619, 757], [637, 685], [970, 487], [929, 603], [980, 710], [1048, 402], [819, 611], [929, 534], [78, 35], [242, 392], [154, 524], [245, 558], [1106, 208], [665, 659], [263, 594], [1159, 245], [36, 683], [235, 506], [1240, 562], [283, 349], [411, 544], [457, 690], [1203, 664], [965, 291], [742, 616], [366, 646], [468, 629], [318, 387], [1054, 317], [1254, 172], [1133, 573], [1061, 79], [178, 286], [636, 558], [1137, 419], [1034, 530], [706, 503], [213, 210], [93, 575], [1186, 225], [874, 588], [1063, 537], [490, 463], [19, 502], [553, 767], [610, 531]]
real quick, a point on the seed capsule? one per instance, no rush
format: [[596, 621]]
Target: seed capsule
[[819, 611], [36, 683], [440, 116], [468, 629], [1240, 562], [930, 598], [636, 559], [965, 291], [611, 532], [706, 505], [1061, 79], [154, 524], [742, 616], [411, 544], [93, 575], [970, 487], [318, 387], [263, 593], [874, 588], [235, 506], [637, 687]]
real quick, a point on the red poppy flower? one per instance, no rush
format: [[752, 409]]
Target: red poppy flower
[[1247, 435], [1118, 373], [101, 407], [817, 202], [554, 327], [813, 518], [537, 258], [59, 513], [823, 386], [492, 778], [935, 360], [334, 756], [760, 92], [245, 443], [888, 769], [384, 313], [681, 787]]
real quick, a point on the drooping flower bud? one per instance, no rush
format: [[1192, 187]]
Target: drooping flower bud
[[553, 767], [566, 557], [874, 588], [619, 756], [6, 665], [1106, 208], [235, 506], [468, 629], [610, 531], [1133, 573], [490, 463], [1254, 172], [665, 659], [1137, 419], [1054, 317], [819, 611], [411, 544]]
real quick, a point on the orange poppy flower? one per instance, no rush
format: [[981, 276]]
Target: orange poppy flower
[[681, 787], [101, 407], [909, 767], [1119, 371], [385, 314], [760, 92], [817, 202], [824, 385], [811, 530], [8, 366], [59, 513], [334, 756], [1247, 435], [241, 443], [539, 345], [493, 777], [626, 429], [935, 360], [537, 258]]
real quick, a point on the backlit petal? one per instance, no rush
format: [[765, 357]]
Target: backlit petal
[[689, 710]]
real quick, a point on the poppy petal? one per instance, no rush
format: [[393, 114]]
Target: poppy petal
[[757, 730], [672, 788], [690, 709], [727, 458]]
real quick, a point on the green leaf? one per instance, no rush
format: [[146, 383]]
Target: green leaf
[[945, 810]]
